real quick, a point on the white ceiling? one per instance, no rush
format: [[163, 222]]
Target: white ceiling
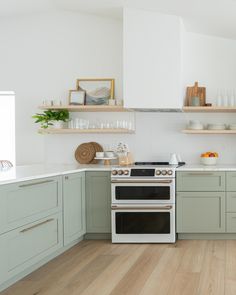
[[216, 17]]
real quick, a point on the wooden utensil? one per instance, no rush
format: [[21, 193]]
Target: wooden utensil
[[193, 91]]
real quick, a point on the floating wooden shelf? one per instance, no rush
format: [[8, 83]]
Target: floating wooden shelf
[[87, 108], [73, 131], [209, 109], [187, 131]]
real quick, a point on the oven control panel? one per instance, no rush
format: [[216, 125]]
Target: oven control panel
[[122, 172]]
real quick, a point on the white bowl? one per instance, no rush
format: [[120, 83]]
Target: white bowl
[[209, 161], [99, 154]]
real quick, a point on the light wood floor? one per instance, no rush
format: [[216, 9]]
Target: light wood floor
[[99, 268]]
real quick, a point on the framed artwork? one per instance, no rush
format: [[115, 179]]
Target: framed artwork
[[97, 91], [76, 97]]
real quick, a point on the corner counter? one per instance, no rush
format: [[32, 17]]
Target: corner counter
[[30, 172]]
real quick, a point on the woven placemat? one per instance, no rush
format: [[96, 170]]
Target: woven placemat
[[98, 148], [85, 153]]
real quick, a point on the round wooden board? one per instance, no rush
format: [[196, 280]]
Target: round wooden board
[[85, 153]]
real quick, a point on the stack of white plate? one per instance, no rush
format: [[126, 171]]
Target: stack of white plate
[[216, 126], [232, 126]]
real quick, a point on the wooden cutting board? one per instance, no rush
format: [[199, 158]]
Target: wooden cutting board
[[195, 91]]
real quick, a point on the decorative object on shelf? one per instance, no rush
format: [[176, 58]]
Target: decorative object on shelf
[[195, 96], [97, 91], [209, 158], [226, 98], [52, 118], [195, 125], [111, 102], [85, 153], [53, 102], [5, 165], [76, 97], [119, 102], [124, 155]]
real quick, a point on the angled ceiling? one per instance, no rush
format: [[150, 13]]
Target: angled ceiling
[[214, 17]]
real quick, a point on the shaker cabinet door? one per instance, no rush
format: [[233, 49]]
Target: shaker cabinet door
[[200, 212], [74, 206], [98, 202]]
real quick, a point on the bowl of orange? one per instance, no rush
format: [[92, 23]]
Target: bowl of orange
[[209, 158]]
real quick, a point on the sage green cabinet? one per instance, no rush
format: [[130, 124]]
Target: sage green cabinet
[[27, 201], [27, 245], [231, 222], [74, 206], [231, 181], [200, 212], [200, 181], [98, 202]]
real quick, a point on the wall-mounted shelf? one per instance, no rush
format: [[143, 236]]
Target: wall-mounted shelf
[[209, 109], [187, 131], [83, 131], [87, 108]]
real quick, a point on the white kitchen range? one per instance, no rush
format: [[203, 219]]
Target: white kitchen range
[[143, 203]]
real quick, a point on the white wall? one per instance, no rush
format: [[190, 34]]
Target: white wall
[[41, 56], [211, 61]]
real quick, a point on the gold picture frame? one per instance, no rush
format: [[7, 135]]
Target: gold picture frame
[[98, 91]]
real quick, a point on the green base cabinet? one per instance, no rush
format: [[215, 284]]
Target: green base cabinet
[[24, 202], [74, 206], [200, 212], [98, 202], [201, 181], [24, 246]]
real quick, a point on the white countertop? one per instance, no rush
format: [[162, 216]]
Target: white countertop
[[199, 167], [23, 173]]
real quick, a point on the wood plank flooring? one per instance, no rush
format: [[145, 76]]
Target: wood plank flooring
[[190, 267]]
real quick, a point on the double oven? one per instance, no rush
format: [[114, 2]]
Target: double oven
[[143, 205]]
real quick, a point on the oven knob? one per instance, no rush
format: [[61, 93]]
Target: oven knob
[[114, 172], [163, 172], [158, 172], [126, 172], [120, 172], [169, 172]]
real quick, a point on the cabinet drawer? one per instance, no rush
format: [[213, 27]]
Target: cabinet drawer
[[231, 201], [231, 181], [231, 222], [200, 212], [25, 202], [200, 181], [27, 245]]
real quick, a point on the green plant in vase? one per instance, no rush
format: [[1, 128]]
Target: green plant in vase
[[51, 118]]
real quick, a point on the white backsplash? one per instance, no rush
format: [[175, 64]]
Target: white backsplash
[[157, 136]]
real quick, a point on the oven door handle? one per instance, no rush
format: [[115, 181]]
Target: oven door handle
[[119, 207], [140, 181]]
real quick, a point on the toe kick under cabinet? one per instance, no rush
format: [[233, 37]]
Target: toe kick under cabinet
[[206, 202], [30, 224]]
